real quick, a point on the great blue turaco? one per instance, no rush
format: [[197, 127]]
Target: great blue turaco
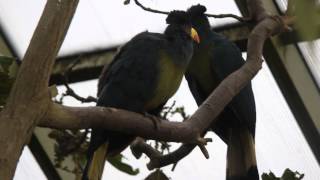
[[213, 60], [143, 75]]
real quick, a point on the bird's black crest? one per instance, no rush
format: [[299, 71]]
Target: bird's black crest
[[197, 10], [178, 17]]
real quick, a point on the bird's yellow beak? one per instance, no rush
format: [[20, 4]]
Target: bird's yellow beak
[[194, 35]]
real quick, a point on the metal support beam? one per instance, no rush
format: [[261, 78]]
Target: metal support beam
[[91, 63], [296, 83], [88, 65]]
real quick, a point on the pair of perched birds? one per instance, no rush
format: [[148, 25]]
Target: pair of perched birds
[[148, 70]]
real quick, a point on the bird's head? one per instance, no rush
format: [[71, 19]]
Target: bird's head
[[181, 20], [198, 18]]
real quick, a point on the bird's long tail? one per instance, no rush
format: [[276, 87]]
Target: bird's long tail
[[95, 163], [241, 159]]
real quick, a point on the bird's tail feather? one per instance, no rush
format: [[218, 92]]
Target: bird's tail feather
[[241, 159], [95, 163]]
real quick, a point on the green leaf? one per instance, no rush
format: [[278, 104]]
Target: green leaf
[[157, 175], [287, 175], [269, 176], [117, 162]]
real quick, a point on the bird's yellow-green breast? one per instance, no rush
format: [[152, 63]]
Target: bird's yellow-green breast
[[200, 68], [168, 81]]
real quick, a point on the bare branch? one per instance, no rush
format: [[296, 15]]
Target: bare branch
[[157, 160], [70, 91], [147, 8], [139, 146], [241, 19]]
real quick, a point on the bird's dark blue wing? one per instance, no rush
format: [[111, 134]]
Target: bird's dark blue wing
[[128, 83], [227, 58], [198, 94]]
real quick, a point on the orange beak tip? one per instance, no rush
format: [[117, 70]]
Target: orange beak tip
[[195, 36]]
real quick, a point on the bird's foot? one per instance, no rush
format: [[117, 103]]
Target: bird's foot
[[155, 120]]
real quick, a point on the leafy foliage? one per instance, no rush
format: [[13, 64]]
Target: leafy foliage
[[73, 144], [117, 161], [287, 175]]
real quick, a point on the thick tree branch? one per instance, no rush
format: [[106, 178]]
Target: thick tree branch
[[29, 97], [42, 51], [63, 117], [256, 10]]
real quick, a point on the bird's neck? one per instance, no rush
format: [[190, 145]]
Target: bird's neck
[[180, 45], [176, 34]]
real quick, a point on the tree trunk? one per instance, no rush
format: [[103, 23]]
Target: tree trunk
[[29, 98]]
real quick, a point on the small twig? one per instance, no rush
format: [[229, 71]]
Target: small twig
[[174, 166], [147, 8], [202, 142], [70, 91], [168, 110], [241, 19]]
